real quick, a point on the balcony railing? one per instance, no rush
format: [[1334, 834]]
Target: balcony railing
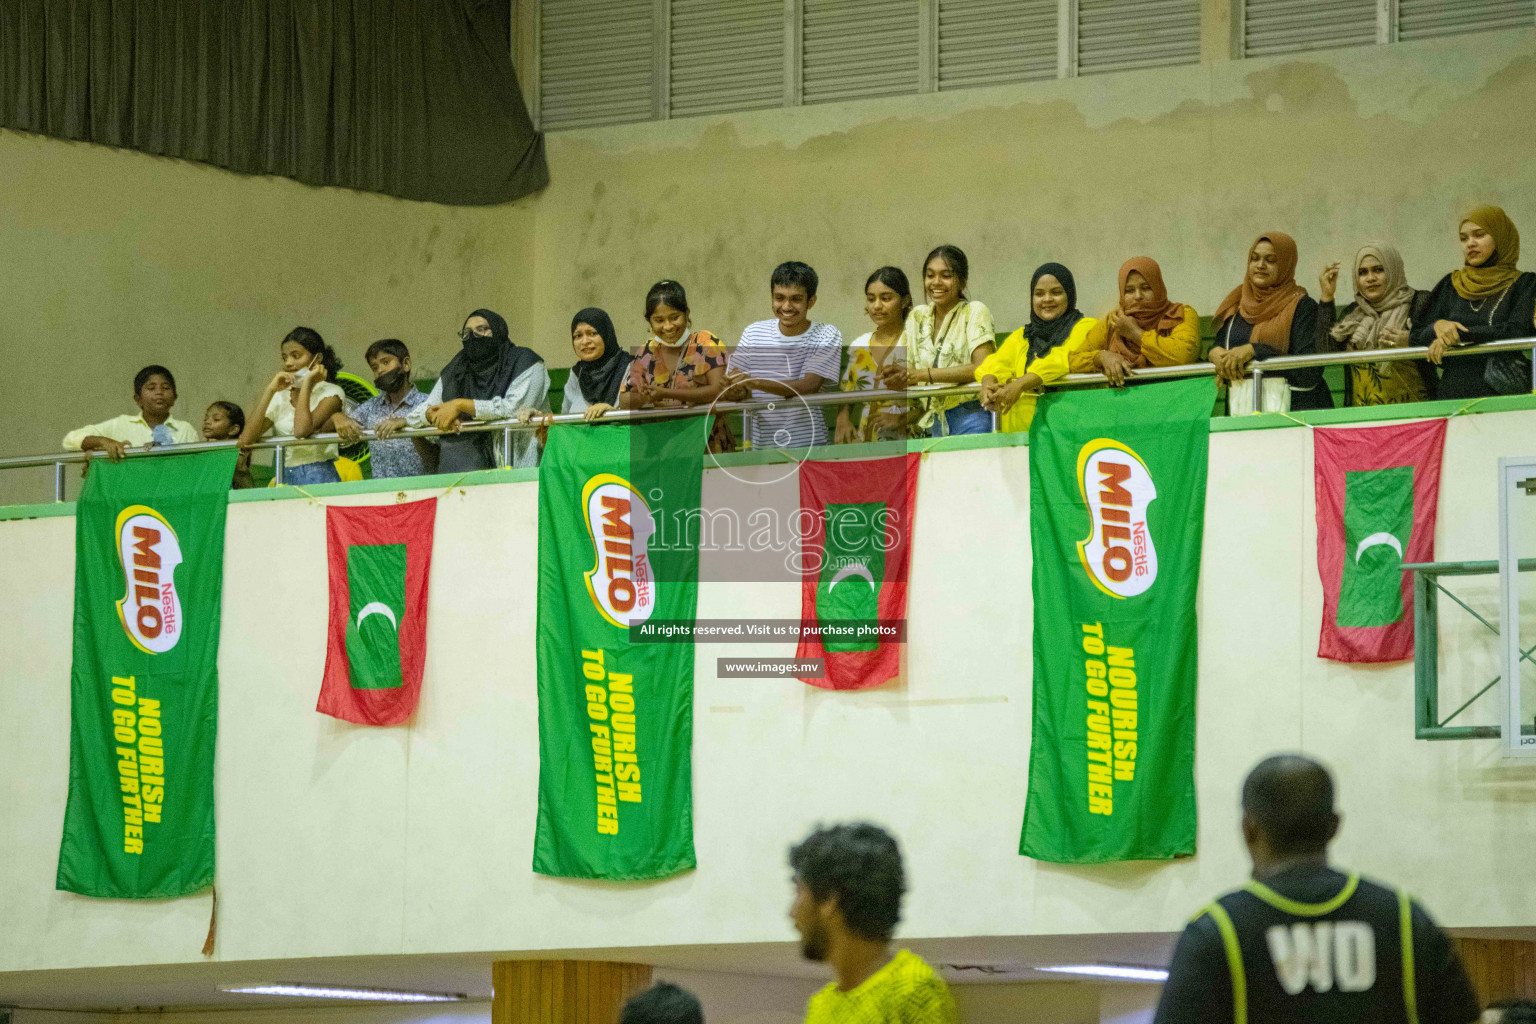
[[1257, 371]]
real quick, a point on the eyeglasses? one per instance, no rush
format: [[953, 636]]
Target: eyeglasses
[[476, 332]]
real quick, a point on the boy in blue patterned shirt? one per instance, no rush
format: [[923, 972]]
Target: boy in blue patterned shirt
[[385, 413]]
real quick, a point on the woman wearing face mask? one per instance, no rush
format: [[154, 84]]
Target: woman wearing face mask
[[1269, 314], [944, 342], [1488, 299], [677, 365], [489, 379], [887, 301], [1385, 308], [1039, 352], [299, 401], [1145, 329]]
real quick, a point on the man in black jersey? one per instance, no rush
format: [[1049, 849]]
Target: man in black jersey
[[1303, 942]]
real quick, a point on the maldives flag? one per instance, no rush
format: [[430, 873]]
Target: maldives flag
[[379, 558], [855, 552], [1377, 492]]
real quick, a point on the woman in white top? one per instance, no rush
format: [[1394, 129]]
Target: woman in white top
[[945, 341], [299, 401]]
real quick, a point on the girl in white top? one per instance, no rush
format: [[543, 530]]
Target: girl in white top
[[887, 301], [299, 401], [945, 341]]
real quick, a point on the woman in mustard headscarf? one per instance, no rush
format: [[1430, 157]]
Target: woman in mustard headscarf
[[1269, 314], [1488, 299], [1145, 329]]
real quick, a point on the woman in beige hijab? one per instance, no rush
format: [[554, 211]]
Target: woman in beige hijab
[[1384, 310]]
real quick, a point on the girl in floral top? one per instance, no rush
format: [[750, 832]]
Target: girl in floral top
[[676, 366], [887, 301], [945, 341]]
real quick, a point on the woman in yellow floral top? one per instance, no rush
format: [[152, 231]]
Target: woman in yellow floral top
[[676, 366], [887, 301], [945, 341]]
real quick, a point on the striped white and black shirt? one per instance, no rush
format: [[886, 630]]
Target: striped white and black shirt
[[767, 354]]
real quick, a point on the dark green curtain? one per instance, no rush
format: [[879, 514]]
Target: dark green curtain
[[413, 98]]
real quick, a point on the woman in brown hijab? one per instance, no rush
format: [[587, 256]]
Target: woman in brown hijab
[[1145, 329], [1488, 299], [1269, 314]]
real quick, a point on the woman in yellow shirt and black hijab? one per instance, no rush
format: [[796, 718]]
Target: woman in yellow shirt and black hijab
[[1038, 353]]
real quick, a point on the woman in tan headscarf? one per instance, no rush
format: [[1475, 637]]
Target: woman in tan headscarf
[[1488, 299], [1269, 314], [1145, 329], [1385, 308]]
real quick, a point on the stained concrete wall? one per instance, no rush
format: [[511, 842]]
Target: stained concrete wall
[[1185, 164], [113, 260]]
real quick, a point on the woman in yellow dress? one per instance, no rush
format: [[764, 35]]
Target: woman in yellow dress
[[1039, 352]]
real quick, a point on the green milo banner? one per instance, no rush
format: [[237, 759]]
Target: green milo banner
[[1117, 509], [616, 716], [144, 686]]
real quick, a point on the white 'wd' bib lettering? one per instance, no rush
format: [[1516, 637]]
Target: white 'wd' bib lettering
[[1327, 954]]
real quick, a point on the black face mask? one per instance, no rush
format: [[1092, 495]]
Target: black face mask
[[390, 382]]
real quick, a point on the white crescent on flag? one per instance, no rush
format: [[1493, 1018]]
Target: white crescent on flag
[[1379, 538], [377, 608], [856, 569]]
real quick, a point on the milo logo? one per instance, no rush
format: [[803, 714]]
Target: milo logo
[[1117, 487], [150, 611], [621, 582]]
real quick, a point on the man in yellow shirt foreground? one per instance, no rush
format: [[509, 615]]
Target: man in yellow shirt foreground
[[848, 887]]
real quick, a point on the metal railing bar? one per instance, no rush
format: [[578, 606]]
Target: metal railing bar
[[1153, 373]]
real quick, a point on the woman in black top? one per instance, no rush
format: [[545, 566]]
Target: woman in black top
[[1488, 299], [1269, 314]]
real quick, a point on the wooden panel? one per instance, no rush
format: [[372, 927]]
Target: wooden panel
[[563, 991], [1499, 968]]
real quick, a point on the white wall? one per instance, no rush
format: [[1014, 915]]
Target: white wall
[[336, 840]]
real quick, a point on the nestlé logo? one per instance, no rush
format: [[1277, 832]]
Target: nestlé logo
[[1118, 552], [621, 581], [151, 609]]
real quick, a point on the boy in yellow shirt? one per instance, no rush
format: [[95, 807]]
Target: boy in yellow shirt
[[848, 888]]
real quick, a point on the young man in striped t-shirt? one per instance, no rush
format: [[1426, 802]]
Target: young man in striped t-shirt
[[786, 357]]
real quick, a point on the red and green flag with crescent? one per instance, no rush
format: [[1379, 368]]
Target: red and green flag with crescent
[[379, 558], [857, 517], [1377, 494]]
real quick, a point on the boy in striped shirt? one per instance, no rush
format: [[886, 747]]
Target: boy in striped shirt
[[786, 357]]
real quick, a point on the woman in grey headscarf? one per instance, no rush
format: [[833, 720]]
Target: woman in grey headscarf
[[1383, 312]]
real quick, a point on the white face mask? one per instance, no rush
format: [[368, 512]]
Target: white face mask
[[299, 375]]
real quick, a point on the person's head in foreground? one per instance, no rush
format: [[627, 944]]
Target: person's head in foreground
[[848, 888], [1288, 813], [662, 1003]]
